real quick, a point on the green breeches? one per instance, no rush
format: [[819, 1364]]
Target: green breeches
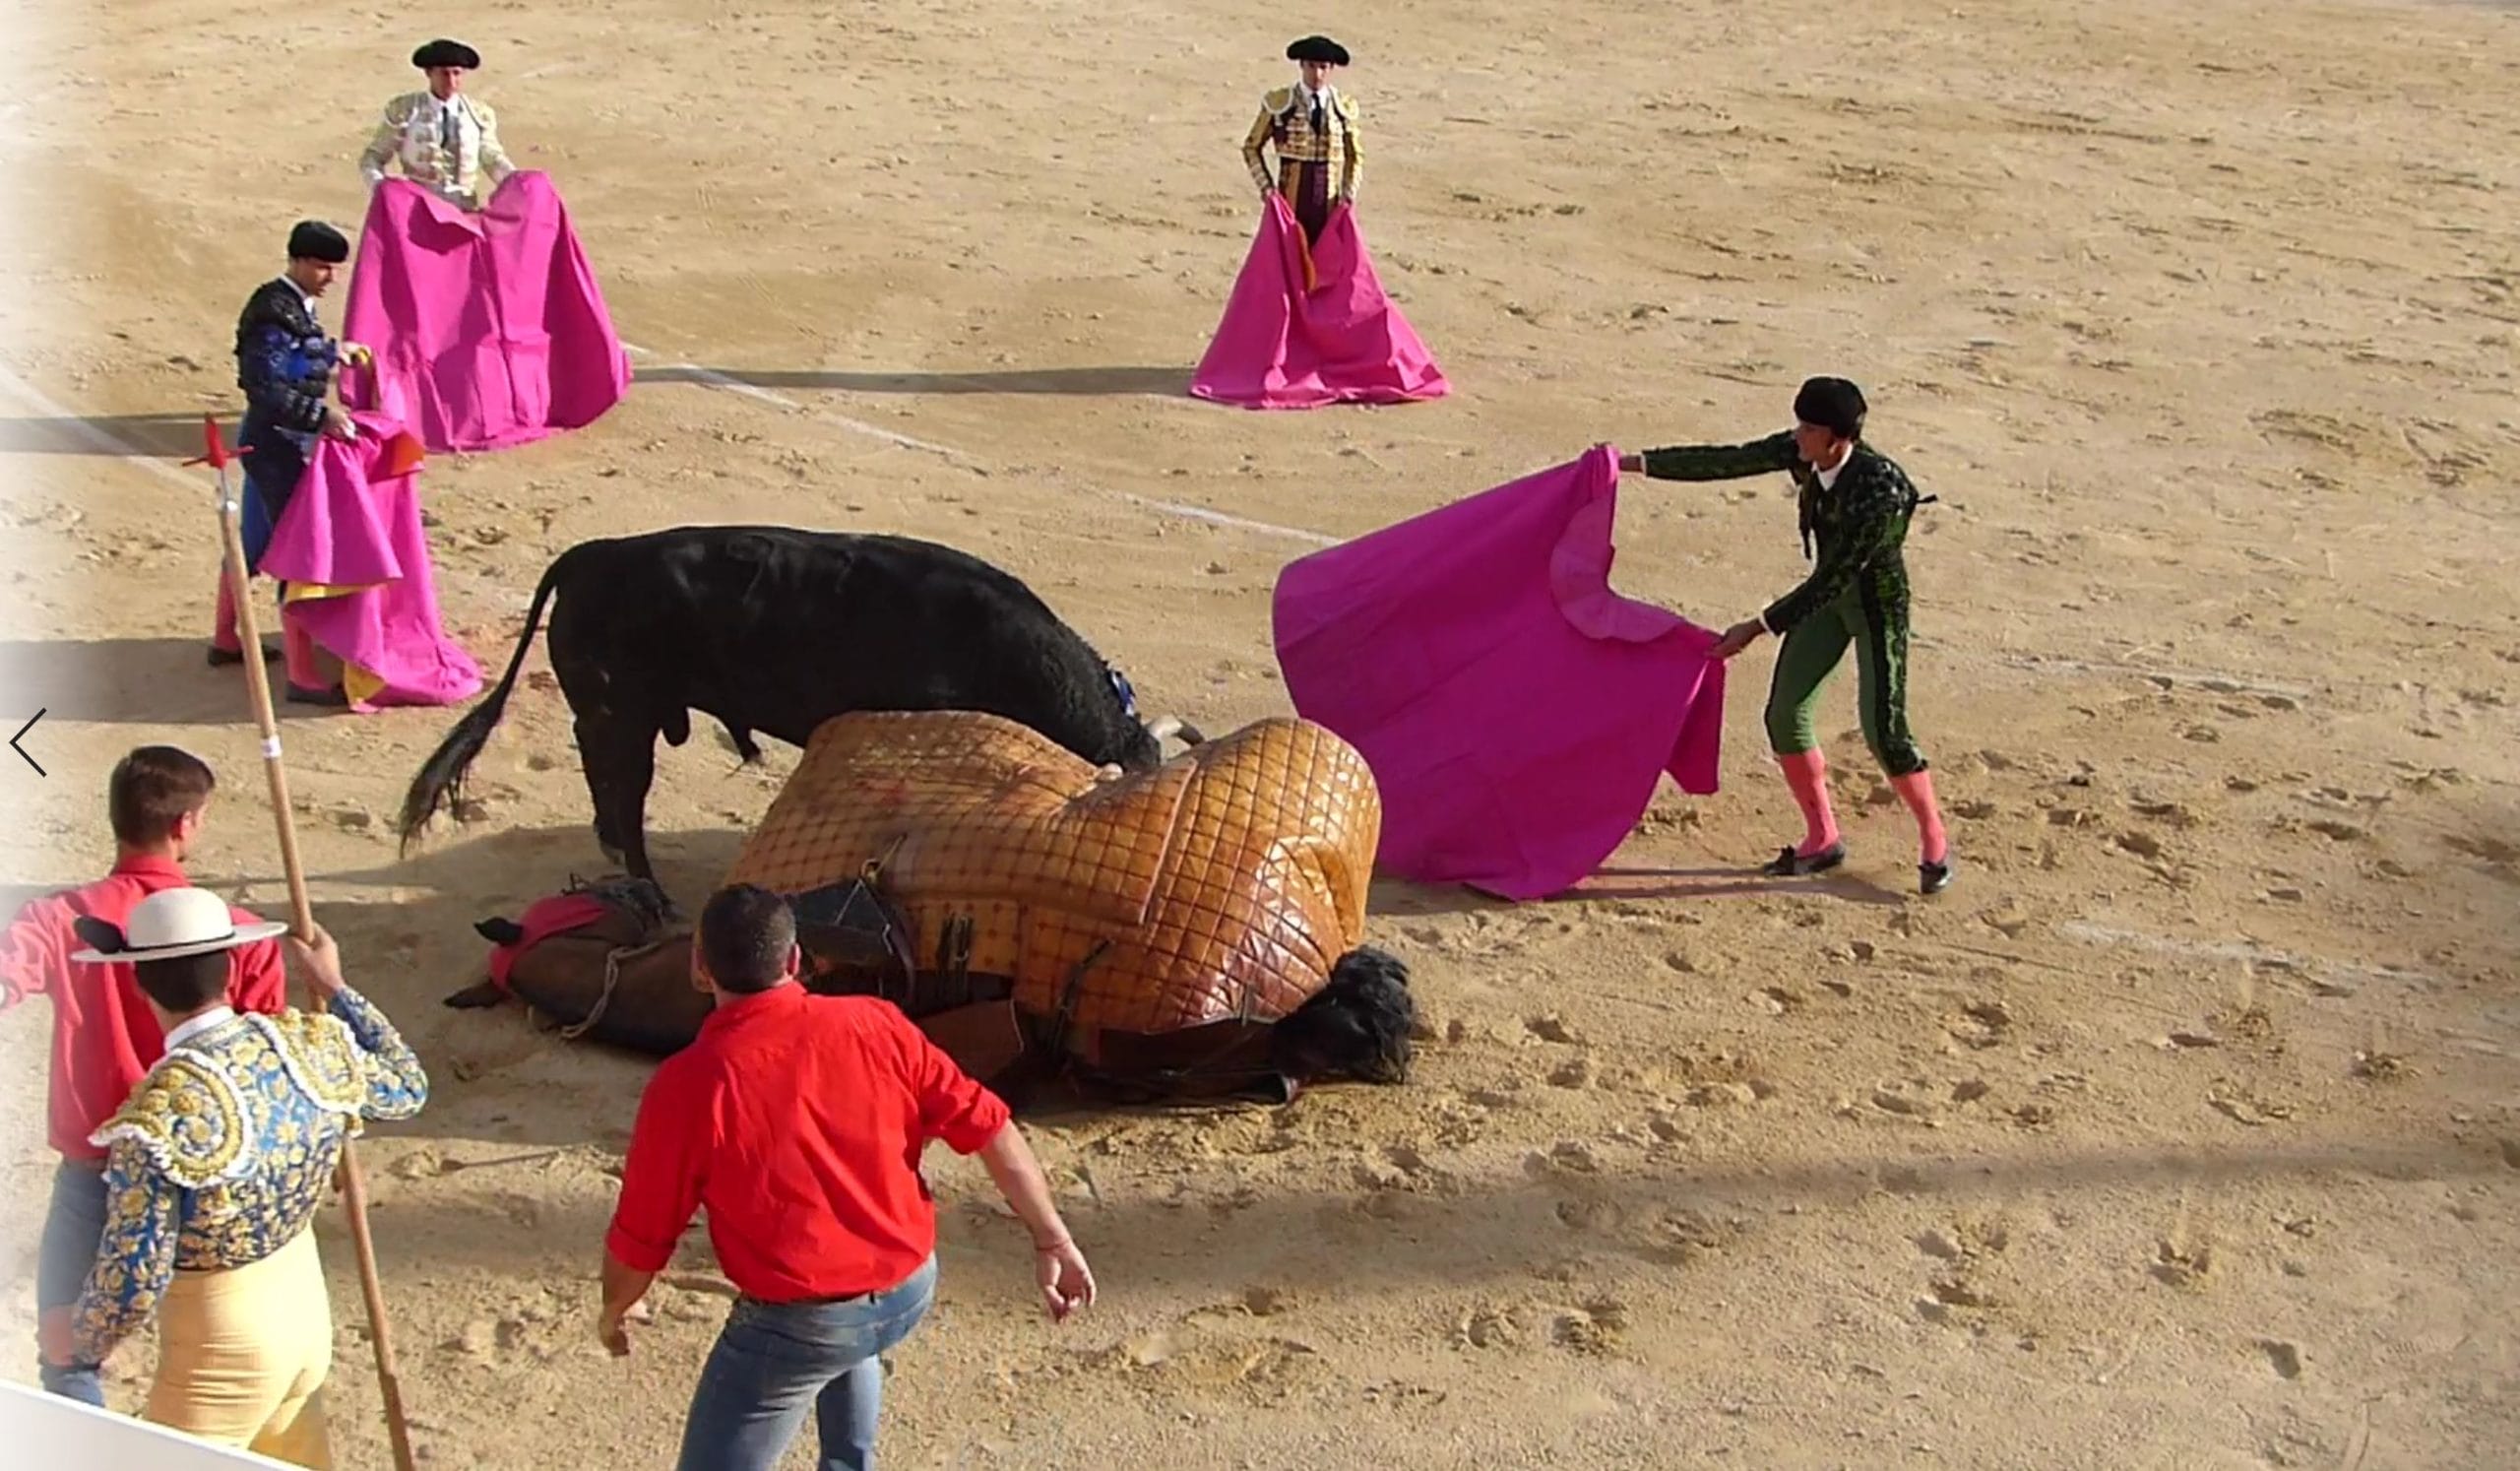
[[1877, 629]]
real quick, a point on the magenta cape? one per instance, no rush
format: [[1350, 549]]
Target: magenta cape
[[351, 548], [489, 329], [1287, 344], [1517, 712]]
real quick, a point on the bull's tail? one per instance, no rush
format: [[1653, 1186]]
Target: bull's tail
[[440, 781]]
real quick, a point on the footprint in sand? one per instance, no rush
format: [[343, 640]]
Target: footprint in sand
[[2181, 1266], [1596, 1327], [1488, 1326], [1980, 1025], [1951, 1292], [484, 1341], [1549, 1028]]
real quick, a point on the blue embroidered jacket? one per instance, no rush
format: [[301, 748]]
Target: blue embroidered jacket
[[224, 1152], [284, 363], [284, 360]]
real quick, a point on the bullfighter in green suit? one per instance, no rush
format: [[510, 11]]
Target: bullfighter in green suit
[[1855, 503]]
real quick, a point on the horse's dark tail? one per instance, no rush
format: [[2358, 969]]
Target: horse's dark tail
[[1362, 1025], [440, 781]]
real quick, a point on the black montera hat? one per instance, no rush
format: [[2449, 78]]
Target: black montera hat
[[313, 240], [1834, 403], [1318, 49], [443, 52]]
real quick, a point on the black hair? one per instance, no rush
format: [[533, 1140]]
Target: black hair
[[746, 933], [185, 982]]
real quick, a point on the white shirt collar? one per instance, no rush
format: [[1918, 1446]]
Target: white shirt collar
[[1829, 478], [185, 1031]]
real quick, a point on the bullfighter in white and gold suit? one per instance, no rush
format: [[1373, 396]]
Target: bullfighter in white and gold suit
[[445, 141], [214, 1169]]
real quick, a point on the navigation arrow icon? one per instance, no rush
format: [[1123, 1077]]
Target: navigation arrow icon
[[22, 750]]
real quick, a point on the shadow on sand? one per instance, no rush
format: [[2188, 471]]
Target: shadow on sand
[[155, 436]]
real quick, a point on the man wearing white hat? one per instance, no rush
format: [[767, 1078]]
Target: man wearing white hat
[[104, 1036], [214, 1171]]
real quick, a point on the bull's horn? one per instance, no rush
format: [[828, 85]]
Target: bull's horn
[[1172, 726]]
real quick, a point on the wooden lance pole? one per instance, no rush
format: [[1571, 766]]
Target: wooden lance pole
[[302, 921]]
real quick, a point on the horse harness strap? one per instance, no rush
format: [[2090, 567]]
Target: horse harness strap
[[612, 962]]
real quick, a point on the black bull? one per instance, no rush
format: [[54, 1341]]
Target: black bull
[[773, 630]]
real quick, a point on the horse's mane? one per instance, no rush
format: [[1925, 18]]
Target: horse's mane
[[642, 898]]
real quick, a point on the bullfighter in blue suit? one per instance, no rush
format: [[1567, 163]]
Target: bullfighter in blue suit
[[285, 363]]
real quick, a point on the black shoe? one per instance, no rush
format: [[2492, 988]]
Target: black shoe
[[1933, 878], [1791, 865], [221, 658], [335, 696]]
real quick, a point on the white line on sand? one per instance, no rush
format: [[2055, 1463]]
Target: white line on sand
[[711, 378], [2102, 934], [2203, 679], [73, 422]]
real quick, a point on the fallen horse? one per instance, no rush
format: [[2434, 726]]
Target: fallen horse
[[1186, 932]]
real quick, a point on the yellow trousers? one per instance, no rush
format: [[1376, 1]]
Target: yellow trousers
[[242, 1354]]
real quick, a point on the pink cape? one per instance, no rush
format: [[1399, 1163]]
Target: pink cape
[[1516, 711], [1286, 344], [352, 551], [489, 329]]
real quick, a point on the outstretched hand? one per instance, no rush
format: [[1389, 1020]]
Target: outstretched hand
[[1736, 638]]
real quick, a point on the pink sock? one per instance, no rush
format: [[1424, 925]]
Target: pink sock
[[1917, 789], [297, 647], [1806, 774], [223, 633]]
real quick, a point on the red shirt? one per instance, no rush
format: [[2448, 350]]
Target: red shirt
[[104, 1037], [799, 1120]]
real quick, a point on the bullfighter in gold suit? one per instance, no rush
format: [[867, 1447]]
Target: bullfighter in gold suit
[[1315, 128]]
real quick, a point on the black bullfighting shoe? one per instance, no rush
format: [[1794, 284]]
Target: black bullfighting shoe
[[335, 696], [1933, 878], [220, 657], [1788, 863]]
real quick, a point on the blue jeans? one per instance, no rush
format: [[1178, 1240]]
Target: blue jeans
[[774, 1359], [72, 1228]]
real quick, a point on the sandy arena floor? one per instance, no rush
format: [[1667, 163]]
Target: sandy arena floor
[[2182, 1133]]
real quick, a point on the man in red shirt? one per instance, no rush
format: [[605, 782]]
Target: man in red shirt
[[104, 1037], [798, 1122]]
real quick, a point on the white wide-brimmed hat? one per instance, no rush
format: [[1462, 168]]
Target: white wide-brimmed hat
[[168, 925]]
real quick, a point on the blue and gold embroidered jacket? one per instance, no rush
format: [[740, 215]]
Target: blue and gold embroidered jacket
[[225, 1149]]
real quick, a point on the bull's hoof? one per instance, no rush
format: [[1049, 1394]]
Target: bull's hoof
[[471, 998]]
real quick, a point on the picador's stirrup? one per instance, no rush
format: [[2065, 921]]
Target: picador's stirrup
[[1788, 863]]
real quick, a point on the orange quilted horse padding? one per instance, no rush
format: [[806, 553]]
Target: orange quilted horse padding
[[1222, 885]]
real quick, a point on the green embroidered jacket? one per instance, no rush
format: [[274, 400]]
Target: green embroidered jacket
[[1860, 522]]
